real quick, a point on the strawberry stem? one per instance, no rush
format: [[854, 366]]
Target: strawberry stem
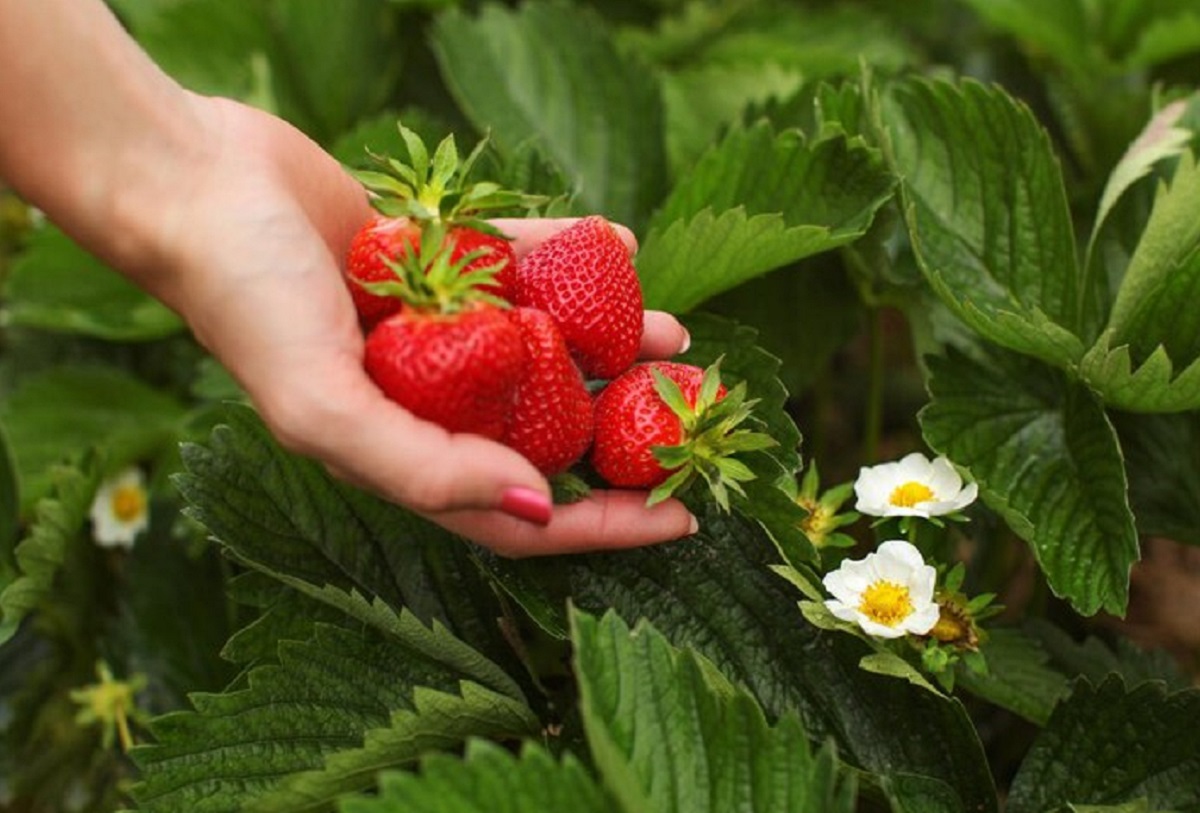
[[436, 189]]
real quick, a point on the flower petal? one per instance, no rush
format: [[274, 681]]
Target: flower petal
[[922, 619], [842, 611], [880, 630], [944, 479]]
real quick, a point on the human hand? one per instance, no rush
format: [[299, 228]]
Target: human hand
[[251, 259]]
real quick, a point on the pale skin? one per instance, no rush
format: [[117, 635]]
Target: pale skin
[[238, 222]]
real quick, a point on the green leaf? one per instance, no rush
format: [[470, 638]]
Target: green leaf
[[279, 614], [550, 73], [804, 316], [10, 509], [378, 135], [1166, 37], [1137, 806], [1096, 660], [1162, 456], [488, 779], [742, 360], [1108, 745], [702, 100], [1019, 676], [61, 413], [987, 215], [58, 520], [669, 733], [715, 592], [920, 794], [1151, 385], [756, 202], [336, 707], [1160, 140], [889, 664], [812, 41], [55, 285], [335, 63], [438, 721], [209, 46], [176, 650], [1151, 310], [1060, 28], [1046, 458], [434, 642], [769, 499], [285, 515]]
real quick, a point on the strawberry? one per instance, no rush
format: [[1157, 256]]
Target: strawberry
[[584, 278], [551, 419], [458, 370], [661, 424], [410, 196], [450, 355], [382, 240]]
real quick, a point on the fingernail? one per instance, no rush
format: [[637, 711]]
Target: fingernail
[[693, 526], [687, 341], [527, 504]]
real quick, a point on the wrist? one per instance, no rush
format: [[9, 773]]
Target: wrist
[[140, 194]]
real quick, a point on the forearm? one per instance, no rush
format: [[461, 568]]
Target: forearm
[[90, 128]]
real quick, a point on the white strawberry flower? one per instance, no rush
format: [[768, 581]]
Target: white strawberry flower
[[889, 593], [120, 510], [913, 486]]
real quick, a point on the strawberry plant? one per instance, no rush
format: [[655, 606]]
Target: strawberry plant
[[937, 259]]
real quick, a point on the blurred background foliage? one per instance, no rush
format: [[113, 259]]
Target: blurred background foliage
[[615, 105]]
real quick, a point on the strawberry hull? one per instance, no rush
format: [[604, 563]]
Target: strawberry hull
[[631, 419], [459, 370], [387, 239]]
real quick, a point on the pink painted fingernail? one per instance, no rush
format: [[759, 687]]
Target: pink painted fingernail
[[527, 504]]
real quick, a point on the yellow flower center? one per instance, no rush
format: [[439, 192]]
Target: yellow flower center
[[128, 503], [886, 603], [909, 494]]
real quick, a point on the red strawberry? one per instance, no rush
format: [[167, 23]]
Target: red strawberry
[[383, 240], [458, 370], [551, 419], [660, 424], [428, 190], [450, 355], [585, 279]]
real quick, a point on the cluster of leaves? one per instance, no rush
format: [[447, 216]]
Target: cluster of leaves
[[1014, 180]]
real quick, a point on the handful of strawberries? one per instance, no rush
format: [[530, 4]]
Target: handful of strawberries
[[461, 332]]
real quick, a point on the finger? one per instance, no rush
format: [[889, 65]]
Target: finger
[[662, 336], [373, 443], [528, 233], [606, 520]]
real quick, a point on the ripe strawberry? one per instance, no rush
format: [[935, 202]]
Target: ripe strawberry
[[585, 279], [450, 355], [661, 423], [383, 240], [551, 419], [458, 370], [428, 190]]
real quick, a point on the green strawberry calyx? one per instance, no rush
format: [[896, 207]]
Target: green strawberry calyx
[[435, 188], [714, 432], [429, 280]]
